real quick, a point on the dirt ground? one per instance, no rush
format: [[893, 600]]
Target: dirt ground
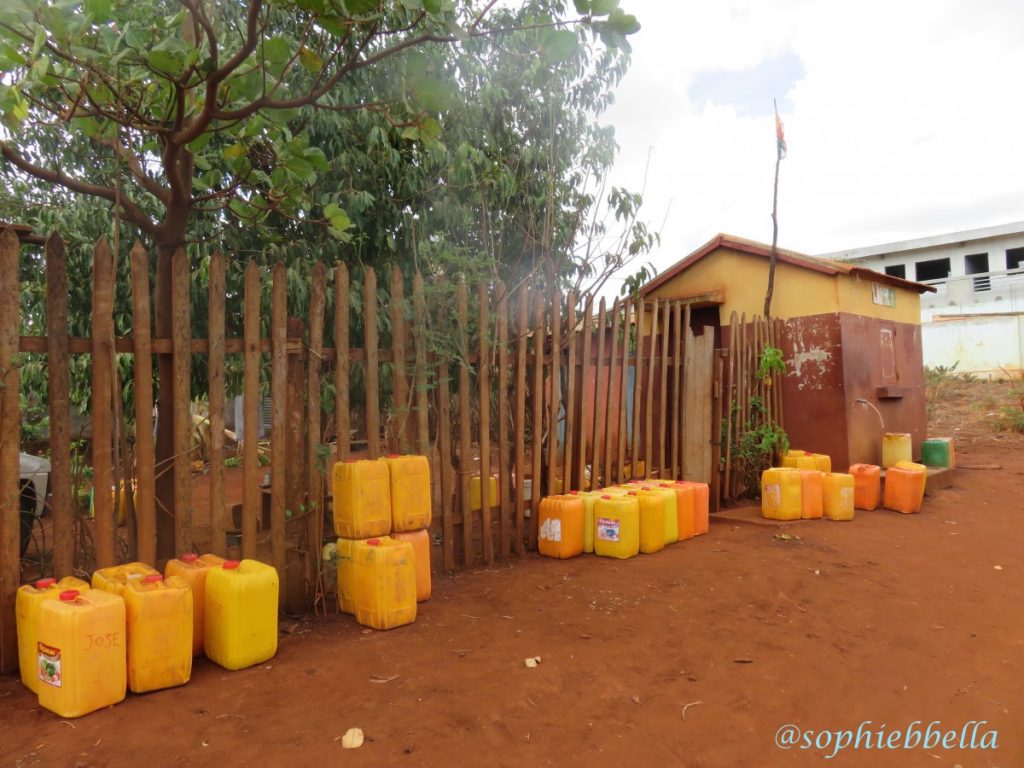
[[694, 656]]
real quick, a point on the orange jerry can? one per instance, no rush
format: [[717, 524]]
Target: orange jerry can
[[701, 498], [420, 541], [560, 526], [867, 485], [904, 487], [116, 577], [193, 569], [684, 509], [81, 652], [812, 490], [159, 620]]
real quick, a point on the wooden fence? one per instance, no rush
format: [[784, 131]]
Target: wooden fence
[[545, 392], [751, 400]]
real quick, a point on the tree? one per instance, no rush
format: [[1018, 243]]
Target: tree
[[202, 104]]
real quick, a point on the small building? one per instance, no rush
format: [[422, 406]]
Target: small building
[[975, 318], [852, 336]]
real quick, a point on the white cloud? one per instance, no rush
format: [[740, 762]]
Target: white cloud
[[906, 123]]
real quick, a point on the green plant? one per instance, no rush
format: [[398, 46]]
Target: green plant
[[757, 448], [1010, 419], [771, 362]]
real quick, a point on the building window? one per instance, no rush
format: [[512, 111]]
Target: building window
[[932, 269], [1014, 258], [897, 270], [977, 264]]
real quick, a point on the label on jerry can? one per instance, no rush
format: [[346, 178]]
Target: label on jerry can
[[608, 529], [49, 664]]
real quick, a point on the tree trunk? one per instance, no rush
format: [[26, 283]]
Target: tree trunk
[[170, 236]]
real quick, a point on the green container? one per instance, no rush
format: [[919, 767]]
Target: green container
[[937, 452]]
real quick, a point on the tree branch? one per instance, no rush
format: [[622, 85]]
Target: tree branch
[[131, 211]]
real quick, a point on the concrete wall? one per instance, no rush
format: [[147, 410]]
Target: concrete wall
[[987, 345]]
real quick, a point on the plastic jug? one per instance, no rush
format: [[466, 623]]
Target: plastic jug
[[362, 498], [114, 578], [80, 658], [701, 505], [896, 447], [241, 613], [377, 581], [589, 501], [938, 452], [839, 490], [410, 492], [867, 485], [159, 617], [811, 494], [806, 460], [671, 520], [684, 509], [420, 541], [474, 492], [652, 520], [193, 569], [617, 526], [560, 526], [781, 489], [904, 487], [26, 611]]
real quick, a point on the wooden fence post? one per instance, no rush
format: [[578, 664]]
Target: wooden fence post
[[58, 385], [570, 393], [342, 419], [620, 473], [465, 428], [484, 385], [10, 436], [279, 417], [181, 309], [400, 401], [504, 464], [102, 424], [597, 438], [314, 471], [584, 453], [251, 502], [522, 330], [556, 390], [372, 371], [420, 377], [215, 369]]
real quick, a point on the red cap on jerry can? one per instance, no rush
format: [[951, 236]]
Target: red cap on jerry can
[[69, 595], [230, 565]]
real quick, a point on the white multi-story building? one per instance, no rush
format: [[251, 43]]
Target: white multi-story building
[[976, 317]]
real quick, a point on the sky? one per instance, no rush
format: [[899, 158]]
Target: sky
[[903, 119]]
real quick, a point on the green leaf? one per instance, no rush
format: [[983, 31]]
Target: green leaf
[[39, 42], [233, 151], [412, 5], [164, 61], [603, 7], [310, 60], [431, 93], [429, 129], [433, 7], [362, 7], [623, 23], [277, 50], [582, 6], [560, 44], [412, 133], [99, 10]]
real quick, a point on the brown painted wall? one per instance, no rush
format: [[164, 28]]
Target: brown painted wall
[[882, 358], [834, 359], [813, 400]]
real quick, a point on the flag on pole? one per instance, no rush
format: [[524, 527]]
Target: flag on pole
[[780, 136]]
